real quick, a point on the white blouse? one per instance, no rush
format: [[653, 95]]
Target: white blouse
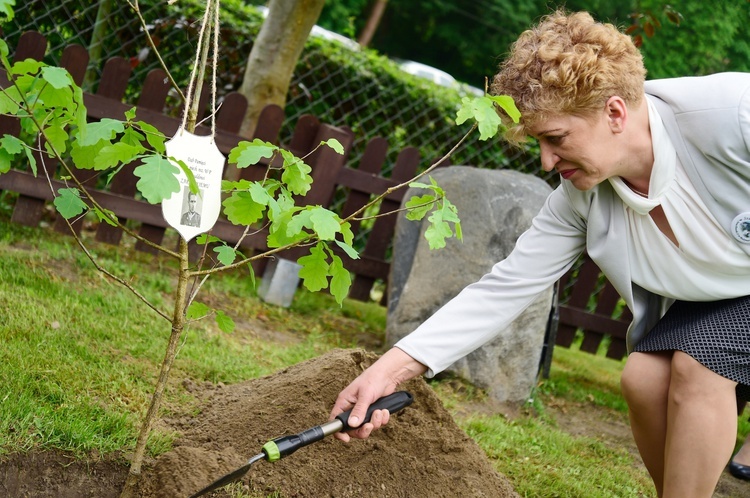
[[707, 265]]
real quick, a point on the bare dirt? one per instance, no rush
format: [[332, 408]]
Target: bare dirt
[[422, 452]]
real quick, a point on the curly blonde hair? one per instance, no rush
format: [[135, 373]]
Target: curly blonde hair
[[568, 64]]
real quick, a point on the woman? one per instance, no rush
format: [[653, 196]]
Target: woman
[[656, 188]]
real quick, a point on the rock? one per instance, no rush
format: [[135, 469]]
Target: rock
[[495, 207]]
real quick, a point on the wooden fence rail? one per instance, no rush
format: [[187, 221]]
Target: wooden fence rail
[[329, 171]]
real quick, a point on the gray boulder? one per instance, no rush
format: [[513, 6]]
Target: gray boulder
[[495, 207]]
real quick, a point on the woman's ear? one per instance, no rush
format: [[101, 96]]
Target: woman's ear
[[617, 114]]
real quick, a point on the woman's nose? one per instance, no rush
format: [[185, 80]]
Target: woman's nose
[[549, 158]]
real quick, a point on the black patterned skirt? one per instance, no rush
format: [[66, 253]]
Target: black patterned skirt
[[716, 334]]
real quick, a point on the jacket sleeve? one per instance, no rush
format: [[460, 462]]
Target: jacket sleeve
[[485, 308]]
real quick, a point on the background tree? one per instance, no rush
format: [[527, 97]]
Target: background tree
[[373, 21], [275, 54]]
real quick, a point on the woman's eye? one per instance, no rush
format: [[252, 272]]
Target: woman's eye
[[554, 139]]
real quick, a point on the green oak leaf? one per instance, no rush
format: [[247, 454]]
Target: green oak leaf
[[225, 254], [433, 185], [507, 104], [341, 279], [27, 84], [192, 183], [106, 129], [80, 115], [26, 67], [158, 180], [314, 271], [225, 322], [280, 205], [119, 152], [205, 238], [68, 203], [334, 144], [5, 161], [57, 138], [241, 209], [348, 249], [277, 231], [459, 231], [347, 234], [12, 145], [260, 193], [296, 174], [32, 160], [132, 137], [9, 99], [347, 244], [482, 110], [154, 137], [228, 185], [6, 9], [56, 101], [106, 216], [248, 153], [197, 310], [325, 223], [299, 222], [418, 206], [57, 77], [450, 214], [85, 157], [438, 231]]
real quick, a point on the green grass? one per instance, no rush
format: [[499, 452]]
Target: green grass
[[538, 459], [79, 357], [80, 354]]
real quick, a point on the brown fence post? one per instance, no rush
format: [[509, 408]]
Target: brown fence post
[[381, 235], [372, 162]]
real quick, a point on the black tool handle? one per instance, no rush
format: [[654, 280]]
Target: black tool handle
[[393, 403], [286, 445]]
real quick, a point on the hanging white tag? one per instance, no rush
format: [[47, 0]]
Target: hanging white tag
[[188, 213]]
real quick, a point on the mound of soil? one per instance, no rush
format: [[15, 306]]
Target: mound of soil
[[421, 452]]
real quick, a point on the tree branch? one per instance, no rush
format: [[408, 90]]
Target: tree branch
[[134, 5]]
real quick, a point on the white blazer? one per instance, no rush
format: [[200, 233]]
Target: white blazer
[[708, 121]]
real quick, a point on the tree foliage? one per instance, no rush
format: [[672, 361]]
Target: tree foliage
[[712, 37], [469, 39]]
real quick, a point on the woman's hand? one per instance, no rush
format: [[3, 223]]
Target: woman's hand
[[380, 379]]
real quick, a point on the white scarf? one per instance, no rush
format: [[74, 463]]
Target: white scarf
[[662, 174]]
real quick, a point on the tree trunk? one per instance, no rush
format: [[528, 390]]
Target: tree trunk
[[274, 56], [130, 488], [96, 43], [180, 296], [372, 22]]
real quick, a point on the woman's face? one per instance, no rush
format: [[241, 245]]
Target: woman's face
[[584, 150]]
